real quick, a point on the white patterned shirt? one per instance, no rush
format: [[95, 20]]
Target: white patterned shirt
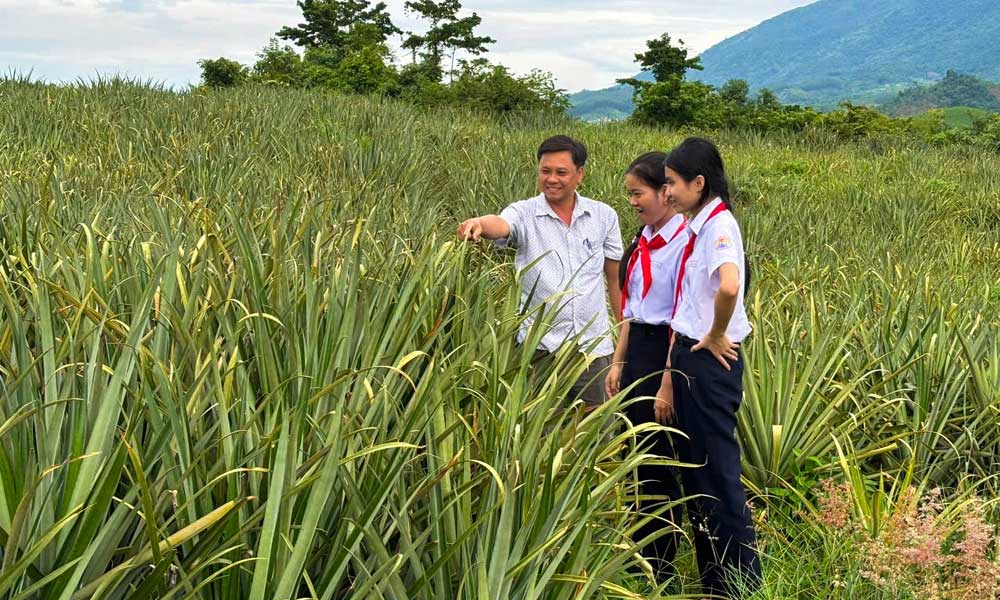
[[719, 242], [564, 264]]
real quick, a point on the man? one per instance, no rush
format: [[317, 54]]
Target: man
[[573, 245]]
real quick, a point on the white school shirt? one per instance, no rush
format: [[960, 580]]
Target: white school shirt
[[658, 305], [564, 264], [718, 242]]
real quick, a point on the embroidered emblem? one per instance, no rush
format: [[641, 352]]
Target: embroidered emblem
[[723, 243]]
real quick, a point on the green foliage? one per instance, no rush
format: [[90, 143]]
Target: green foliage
[[242, 357], [668, 99], [736, 91], [345, 51], [237, 343], [856, 121], [954, 90], [280, 65], [337, 24], [989, 132], [674, 102], [483, 86], [446, 32], [664, 61], [222, 73]]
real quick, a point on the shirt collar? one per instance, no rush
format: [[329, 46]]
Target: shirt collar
[[666, 231], [695, 224], [543, 209]]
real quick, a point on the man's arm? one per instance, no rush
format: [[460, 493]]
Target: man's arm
[[491, 227], [614, 290]]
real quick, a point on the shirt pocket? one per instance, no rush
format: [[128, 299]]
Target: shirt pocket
[[590, 259]]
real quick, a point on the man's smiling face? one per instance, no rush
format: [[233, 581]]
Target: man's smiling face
[[558, 176]]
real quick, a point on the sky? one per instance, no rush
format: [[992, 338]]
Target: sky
[[585, 44]]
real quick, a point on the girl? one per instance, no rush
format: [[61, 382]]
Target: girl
[[709, 324], [648, 282]]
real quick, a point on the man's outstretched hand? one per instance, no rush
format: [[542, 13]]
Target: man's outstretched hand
[[470, 230]]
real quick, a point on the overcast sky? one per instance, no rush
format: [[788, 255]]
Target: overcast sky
[[584, 43]]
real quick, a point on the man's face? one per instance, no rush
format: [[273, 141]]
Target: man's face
[[558, 177]]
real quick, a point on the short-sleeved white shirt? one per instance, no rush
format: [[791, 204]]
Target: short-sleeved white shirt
[[564, 264], [718, 242], [658, 305]]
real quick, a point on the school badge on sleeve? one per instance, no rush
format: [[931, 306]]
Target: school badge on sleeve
[[723, 243]]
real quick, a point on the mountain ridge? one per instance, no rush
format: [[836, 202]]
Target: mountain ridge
[[832, 50]]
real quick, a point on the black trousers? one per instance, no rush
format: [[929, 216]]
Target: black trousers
[[646, 355], [706, 398]]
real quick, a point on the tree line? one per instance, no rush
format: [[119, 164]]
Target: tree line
[[343, 46], [671, 100]]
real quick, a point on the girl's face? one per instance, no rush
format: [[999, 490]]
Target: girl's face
[[650, 204], [684, 196]]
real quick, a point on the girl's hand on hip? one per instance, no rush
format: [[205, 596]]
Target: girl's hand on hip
[[721, 347]]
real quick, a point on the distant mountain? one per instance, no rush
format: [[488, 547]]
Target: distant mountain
[[861, 50], [610, 103]]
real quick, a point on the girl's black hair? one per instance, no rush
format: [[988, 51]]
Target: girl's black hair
[[698, 156], [649, 169]]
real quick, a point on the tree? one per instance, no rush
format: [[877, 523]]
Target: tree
[[222, 72], [736, 91], [337, 24], [676, 103], [447, 32], [279, 64], [767, 100], [492, 88], [665, 61], [661, 101], [853, 121]]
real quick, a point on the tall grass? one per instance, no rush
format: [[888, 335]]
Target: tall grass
[[242, 356]]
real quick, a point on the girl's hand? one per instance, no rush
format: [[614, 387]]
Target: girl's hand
[[612, 382], [663, 406], [721, 348]]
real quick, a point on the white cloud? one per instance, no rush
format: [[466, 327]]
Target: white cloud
[[585, 46]]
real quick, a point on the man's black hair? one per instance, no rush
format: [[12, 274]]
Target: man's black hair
[[564, 143]]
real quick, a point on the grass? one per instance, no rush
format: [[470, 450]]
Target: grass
[[241, 355]]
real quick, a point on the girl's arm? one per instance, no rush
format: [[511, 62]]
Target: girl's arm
[[612, 382], [663, 407], [716, 340]]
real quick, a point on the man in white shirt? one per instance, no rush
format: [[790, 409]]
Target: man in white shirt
[[571, 247]]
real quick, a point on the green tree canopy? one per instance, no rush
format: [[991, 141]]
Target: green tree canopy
[[664, 60], [222, 72], [447, 33], [340, 23]]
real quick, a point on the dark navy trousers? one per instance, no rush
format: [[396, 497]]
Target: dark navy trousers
[[646, 355], [706, 398]]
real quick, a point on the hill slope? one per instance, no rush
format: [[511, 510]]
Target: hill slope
[[857, 49], [952, 91]]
